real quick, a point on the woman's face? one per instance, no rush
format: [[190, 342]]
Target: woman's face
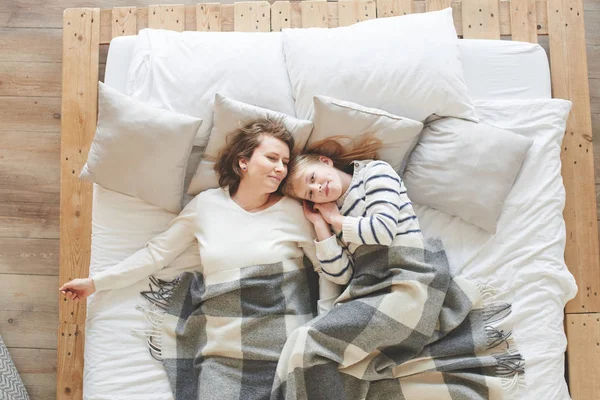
[[268, 165], [318, 182]]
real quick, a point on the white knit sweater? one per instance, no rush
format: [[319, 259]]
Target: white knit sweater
[[229, 237], [376, 210]]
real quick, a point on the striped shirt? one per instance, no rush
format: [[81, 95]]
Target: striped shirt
[[377, 210]]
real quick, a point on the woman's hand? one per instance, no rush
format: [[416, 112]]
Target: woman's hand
[[78, 288], [331, 214]]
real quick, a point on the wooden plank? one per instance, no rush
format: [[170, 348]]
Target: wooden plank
[[351, 12], [170, 17], [480, 19], [596, 131], [208, 17], [394, 8], [28, 213], [29, 114], [436, 5], [124, 21], [81, 41], [583, 353], [227, 17], [523, 20], [333, 13], [541, 8], [30, 160], [37, 368], [280, 16], [315, 14], [252, 16], [594, 95], [30, 79], [568, 61], [69, 379], [29, 329], [30, 45], [29, 256], [31, 293]]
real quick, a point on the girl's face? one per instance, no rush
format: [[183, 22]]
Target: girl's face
[[319, 182], [267, 166]]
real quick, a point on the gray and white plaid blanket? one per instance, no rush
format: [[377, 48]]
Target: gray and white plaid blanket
[[404, 328]]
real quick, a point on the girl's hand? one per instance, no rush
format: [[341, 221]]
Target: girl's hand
[[78, 288], [311, 214], [331, 214]]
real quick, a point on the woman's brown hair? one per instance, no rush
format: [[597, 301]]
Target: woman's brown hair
[[241, 144], [364, 147]]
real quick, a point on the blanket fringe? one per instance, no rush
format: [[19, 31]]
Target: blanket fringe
[[157, 302]]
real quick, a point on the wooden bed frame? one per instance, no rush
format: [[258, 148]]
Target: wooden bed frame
[[85, 29]]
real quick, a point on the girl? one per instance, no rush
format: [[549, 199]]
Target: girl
[[363, 200]]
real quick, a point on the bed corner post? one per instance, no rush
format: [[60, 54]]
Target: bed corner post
[[568, 60], [81, 43]]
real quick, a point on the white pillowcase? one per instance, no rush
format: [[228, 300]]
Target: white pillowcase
[[408, 65], [465, 169], [182, 72], [229, 116], [140, 150], [337, 117]]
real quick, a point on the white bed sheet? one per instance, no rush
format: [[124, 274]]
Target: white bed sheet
[[117, 363]]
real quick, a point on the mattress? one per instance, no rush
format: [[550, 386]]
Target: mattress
[[117, 362]]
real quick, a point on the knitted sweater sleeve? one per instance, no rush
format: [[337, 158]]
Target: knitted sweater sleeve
[[158, 253]]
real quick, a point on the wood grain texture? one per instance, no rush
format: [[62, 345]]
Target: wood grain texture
[[583, 353], [27, 213], [252, 16], [30, 79], [435, 5], [351, 12], [30, 160], [81, 42], [29, 329], [69, 376], [34, 293], [170, 17], [280, 16], [568, 63], [481, 19], [30, 45], [315, 14], [37, 368], [394, 8], [124, 21], [29, 257], [523, 20], [208, 17], [29, 114]]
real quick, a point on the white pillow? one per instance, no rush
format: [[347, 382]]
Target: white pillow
[[140, 150], [182, 72], [337, 117], [408, 65], [465, 169], [229, 116]]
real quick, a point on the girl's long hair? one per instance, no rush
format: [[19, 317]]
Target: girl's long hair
[[341, 149]]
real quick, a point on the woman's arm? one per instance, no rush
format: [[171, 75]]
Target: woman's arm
[[157, 254]]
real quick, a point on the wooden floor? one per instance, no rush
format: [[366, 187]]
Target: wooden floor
[[30, 87]]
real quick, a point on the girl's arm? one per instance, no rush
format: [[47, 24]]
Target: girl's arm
[[335, 263], [387, 208]]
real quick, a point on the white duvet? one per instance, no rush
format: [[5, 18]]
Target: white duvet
[[524, 258]]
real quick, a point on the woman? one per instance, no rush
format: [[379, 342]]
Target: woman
[[253, 290]]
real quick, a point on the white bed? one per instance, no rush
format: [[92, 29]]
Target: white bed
[[118, 365]]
